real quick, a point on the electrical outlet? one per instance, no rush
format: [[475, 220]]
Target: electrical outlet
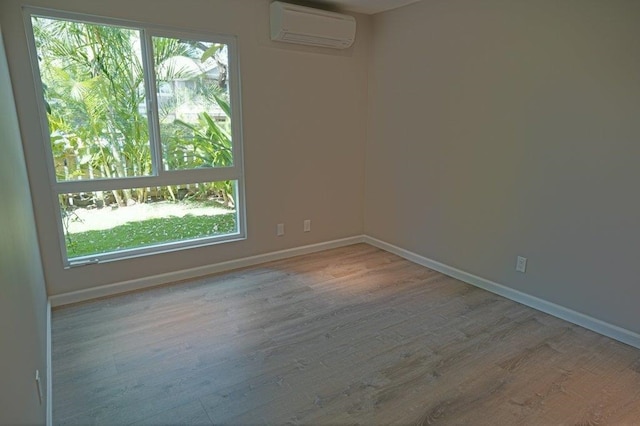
[[280, 230], [39, 386], [307, 225], [521, 264]]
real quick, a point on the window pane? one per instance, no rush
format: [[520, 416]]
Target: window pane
[[93, 84], [193, 103], [108, 221]]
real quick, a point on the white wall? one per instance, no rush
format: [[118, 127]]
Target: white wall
[[23, 301], [502, 128], [304, 130]]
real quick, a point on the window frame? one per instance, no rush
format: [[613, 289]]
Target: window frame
[[159, 176]]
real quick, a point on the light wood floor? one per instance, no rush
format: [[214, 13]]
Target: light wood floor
[[348, 336]]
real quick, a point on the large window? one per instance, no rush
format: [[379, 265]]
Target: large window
[[144, 140]]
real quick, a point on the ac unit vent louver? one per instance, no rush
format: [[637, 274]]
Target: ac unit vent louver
[[304, 25]]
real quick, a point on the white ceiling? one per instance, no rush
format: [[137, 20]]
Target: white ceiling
[[367, 6]]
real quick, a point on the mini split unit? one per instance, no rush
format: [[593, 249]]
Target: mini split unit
[[304, 25]]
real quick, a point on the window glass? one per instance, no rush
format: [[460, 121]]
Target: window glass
[[97, 222], [193, 103], [141, 146], [93, 83]]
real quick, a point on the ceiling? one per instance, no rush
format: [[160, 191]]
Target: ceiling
[[367, 6]]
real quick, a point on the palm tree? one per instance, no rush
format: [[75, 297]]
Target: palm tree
[[94, 87]]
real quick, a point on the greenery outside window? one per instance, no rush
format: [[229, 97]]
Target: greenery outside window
[[144, 141]]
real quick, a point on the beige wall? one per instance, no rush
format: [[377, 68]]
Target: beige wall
[[304, 113], [493, 129], [502, 128], [23, 301]]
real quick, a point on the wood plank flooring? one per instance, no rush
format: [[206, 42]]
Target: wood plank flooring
[[353, 335]]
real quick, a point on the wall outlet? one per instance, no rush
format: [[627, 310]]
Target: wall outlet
[[521, 264], [39, 386], [280, 230], [307, 225]]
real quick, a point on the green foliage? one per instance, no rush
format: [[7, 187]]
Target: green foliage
[[93, 80], [207, 142], [210, 52], [148, 232], [95, 97]]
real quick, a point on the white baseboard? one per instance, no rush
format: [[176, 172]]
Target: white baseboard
[[155, 280], [613, 331], [49, 396]]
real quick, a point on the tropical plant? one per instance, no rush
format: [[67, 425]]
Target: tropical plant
[[93, 81]]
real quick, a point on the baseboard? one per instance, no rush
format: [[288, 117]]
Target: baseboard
[[155, 280], [49, 396], [613, 331]]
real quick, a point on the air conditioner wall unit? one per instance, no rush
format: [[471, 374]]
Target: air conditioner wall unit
[[304, 25]]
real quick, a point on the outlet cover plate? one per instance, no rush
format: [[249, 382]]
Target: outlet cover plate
[[521, 264]]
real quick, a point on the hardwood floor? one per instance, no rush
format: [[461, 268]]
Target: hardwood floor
[[347, 336]]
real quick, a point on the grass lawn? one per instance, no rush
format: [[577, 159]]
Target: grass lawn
[[148, 232]]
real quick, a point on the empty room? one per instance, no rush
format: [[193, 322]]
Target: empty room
[[319, 212]]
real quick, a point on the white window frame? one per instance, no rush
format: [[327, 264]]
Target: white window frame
[[159, 176]]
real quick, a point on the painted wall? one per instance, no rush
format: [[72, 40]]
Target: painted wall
[[503, 128], [23, 301], [304, 115]]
